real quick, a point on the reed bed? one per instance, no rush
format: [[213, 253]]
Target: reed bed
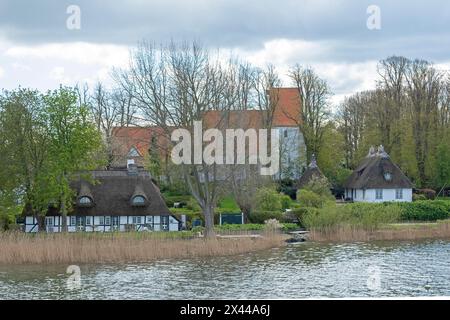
[[405, 231], [20, 248]]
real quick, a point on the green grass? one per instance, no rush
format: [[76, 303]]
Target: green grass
[[229, 203]]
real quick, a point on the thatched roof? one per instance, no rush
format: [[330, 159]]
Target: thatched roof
[[377, 171], [113, 190], [313, 171]]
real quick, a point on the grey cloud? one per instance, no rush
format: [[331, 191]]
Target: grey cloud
[[410, 28]]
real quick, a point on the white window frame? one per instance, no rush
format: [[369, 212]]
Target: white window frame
[[399, 194], [137, 220], [379, 194], [107, 220], [73, 220], [101, 220], [49, 221], [88, 221]]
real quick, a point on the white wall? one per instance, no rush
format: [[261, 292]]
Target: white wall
[[292, 148], [31, 224], [388, 195]]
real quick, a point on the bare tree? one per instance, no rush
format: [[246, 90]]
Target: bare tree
[[314, 93], [351, 116], [423, 86], [174, 85]]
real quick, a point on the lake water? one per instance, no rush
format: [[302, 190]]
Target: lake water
[[381, 269]]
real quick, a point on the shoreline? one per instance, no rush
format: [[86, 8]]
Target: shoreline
[[112, 248], [23, 249], [391, 232]]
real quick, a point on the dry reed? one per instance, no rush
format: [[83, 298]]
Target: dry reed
[[394, 232], [20, 248]]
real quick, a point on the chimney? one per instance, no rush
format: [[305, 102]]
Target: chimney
[[132, 167]]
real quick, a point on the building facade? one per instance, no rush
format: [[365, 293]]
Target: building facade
[[120, 199]]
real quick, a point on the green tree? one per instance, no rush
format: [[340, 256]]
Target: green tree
[[23, 151], [73, 145]]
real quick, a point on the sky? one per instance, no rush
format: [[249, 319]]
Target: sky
[[42, 45]]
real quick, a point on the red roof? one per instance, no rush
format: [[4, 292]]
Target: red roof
[[288, 109], [286, 114]]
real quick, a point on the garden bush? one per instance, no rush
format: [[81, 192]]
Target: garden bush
[[417, 197], [425, 210], [268, 199], [308, 198], [368, 216]]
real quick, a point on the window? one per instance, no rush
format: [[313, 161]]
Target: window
[[85, 200], [133, 153], [107, 221], [138, 200], [398, 193], [137, 220], [379, 194], [88, 221], [49, 221], [387, 176], [285, 133], [364, 193], [72, 221], [101, 221]]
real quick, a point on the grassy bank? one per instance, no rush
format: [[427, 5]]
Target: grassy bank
[[398, 231], [20, 248]]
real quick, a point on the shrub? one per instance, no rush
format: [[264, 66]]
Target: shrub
[[425, 210], [368, 216], [286, 201], [417, 197], [193, 205], [289, 226], [300, 214], [308, 198], [268, 199], [320, 186]]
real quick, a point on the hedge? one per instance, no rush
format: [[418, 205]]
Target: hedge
[[425, 210]]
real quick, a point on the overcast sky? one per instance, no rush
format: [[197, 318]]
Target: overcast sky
[[38, 50]]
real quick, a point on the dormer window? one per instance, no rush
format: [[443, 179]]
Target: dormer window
[[138, 201], [387, 176], [85, 201]]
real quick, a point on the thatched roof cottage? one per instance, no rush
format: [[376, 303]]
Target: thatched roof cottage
[[378, 179], [118, 199]]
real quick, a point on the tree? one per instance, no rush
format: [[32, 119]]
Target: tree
[[24, 150], [174, 85], [314, 93], [73, 144]]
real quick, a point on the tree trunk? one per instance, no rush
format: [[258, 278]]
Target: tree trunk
[[209, 222], [41, 222], [63, 217]]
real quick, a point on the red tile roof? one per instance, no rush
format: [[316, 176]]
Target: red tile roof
[[286, 114]]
